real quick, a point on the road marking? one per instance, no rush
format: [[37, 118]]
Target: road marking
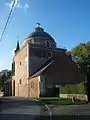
[[50, 113]]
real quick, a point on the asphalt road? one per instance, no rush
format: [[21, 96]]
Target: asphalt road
[[23, 109], [71, 112]]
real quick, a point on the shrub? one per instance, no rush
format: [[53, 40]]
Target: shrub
[[73, 89]]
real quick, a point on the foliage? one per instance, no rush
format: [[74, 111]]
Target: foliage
[[82, 52], [73, 89], [3, 77]]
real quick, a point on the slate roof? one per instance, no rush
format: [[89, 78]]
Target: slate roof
[[43, 67], [40, 32], [41, 70]]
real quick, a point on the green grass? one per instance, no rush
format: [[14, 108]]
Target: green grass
[[60, 101]]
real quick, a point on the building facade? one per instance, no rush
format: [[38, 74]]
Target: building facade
[[39, 65]]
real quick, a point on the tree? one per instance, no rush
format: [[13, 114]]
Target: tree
[[3, 77], [82, 52]]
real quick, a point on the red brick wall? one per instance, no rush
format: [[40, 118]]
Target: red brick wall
[[13, 78], [34, 92], [21, 72]]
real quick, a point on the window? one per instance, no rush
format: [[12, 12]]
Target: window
[[20, 82], [20, 62], [47, 43], [49, 55], [32, 84], [33, 41]]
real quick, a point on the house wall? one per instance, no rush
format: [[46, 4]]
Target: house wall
[[8, 88], [34, 87], [35, 63], [21, 72], [42, 85], [38, 56], [47, 86], [13, 78]]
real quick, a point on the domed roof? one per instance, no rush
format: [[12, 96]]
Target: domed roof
[[38, 31]]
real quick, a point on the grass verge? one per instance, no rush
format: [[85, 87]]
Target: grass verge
[[60, 101]]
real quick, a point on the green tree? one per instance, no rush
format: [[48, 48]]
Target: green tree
[[3, 78], [82, 52]]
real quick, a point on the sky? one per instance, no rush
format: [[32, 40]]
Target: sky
[[67, 21]]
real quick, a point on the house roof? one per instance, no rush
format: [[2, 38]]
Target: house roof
[[63, 69], [44, 67]]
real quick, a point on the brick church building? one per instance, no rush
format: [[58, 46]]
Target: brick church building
[[39, 67]]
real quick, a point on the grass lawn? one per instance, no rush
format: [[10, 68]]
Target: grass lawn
[[60, 101]]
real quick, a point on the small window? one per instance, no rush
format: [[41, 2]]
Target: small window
[[20, 82], [33, 41], [32, 84], [47, 43], [20, 62], [49, 55]]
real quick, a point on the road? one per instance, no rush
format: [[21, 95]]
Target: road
[[30, 109], [23, 109], [71, 112]]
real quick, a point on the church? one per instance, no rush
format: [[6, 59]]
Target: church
[[39, 67]]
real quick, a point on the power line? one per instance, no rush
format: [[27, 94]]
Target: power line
[[7, 22], [11, 16]]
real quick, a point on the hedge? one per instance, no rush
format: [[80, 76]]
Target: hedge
[[73, 89]]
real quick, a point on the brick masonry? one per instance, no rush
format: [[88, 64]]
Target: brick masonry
[[21, 64], [34, 87]]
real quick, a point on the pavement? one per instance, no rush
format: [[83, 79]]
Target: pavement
[[31, 109], [23, 109]]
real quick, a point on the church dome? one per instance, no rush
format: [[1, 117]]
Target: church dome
[[43, 36], [38, 31]]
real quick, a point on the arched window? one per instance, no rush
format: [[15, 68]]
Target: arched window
[[49, 55], [47, 43], [20, 62], [20, 82], [32, 84]]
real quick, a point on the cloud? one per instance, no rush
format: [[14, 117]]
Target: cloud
[[11, 4], [13, 51], [25, 6]]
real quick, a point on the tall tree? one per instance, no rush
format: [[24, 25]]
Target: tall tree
[[82, 53]]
